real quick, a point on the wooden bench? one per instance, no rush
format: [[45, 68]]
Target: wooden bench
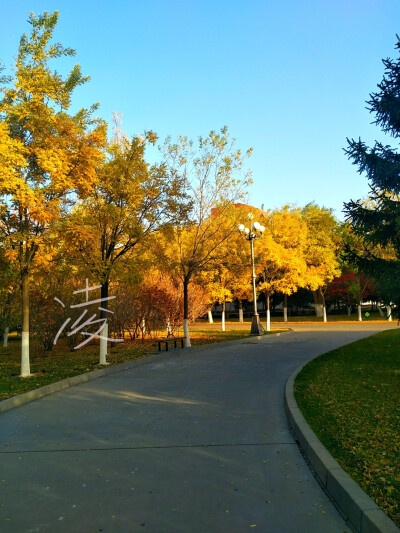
[[170, 340]]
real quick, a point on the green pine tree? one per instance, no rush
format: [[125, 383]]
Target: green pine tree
[[377, 221]]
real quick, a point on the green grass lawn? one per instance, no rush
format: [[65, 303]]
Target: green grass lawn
[[61, 363], [351, 399]]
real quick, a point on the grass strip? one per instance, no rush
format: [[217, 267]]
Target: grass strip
[[351, 399], [367, 316]]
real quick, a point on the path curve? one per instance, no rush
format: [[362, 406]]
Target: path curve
[[195, 441]]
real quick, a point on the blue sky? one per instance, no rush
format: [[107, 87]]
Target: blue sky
[[288, 78]]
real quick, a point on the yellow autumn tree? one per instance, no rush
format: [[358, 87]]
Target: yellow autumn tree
[[8, 294], [321, 252], [230, 274], [11, 154], [11, 159], [131, 201], [290, 232], [46, 154], [216, 280], [238, 263], [280, 263], [215, 180]]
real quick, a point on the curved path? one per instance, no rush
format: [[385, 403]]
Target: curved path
[[193, 441]]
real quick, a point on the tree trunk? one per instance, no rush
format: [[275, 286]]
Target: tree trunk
[[186, 282], [240, 310], [268, 313], [348, 310], [104, 331], [25, 363], [5, 337], [318, 303], [143, 329], [359, 312], [6, 319], [319, 310], [322, 300], [380, 310], [389, 312], [273, 303], [285, 307], [210, 317], [223, 316]]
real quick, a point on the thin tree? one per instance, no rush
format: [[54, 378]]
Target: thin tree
[[215, 180], [58, 151], [321, 253]]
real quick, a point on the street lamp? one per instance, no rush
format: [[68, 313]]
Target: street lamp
[[254, 232]]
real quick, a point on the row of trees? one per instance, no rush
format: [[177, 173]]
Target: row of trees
[[160, 241], [75, 202]]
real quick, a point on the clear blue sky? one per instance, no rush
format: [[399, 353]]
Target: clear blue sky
[[289, 78]]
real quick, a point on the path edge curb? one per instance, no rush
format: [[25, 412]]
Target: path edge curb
[[357, 508]]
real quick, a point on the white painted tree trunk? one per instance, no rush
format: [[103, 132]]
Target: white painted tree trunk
[[103, 345], [359, 313], [324, 313], [210, 318], [380, 310], [186, 332], [348, 310], [268, 320], [285, 307], [240, 310], [25, 363], [5, 337], [389, 312], [223, 315], [267, 311]]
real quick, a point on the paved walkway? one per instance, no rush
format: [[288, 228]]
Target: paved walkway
[[194, 441]]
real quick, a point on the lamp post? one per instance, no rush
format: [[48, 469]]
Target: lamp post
[[250, 234]]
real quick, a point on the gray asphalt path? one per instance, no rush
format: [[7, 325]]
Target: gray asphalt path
[[197, 442]]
